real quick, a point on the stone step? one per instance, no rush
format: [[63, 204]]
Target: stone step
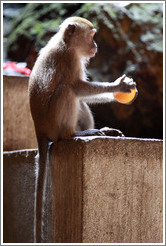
[[105, 190]]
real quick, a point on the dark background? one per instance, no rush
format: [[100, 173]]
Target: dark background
[[129, 41]]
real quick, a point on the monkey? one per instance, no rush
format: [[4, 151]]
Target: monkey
[[59, 93]]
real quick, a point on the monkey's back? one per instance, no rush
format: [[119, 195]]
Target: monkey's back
[[54, 73]]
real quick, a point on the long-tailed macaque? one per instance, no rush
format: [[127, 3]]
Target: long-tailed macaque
[[59, 92]]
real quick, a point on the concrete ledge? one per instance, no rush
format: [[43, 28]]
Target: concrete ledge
[[18, 196], [105, 190]]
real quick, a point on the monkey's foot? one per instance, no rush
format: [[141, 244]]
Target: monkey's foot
[[111, 132], [89, 132]]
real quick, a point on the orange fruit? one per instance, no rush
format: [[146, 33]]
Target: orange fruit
[[126, 98]]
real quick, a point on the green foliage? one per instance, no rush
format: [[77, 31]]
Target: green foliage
[[39, 21], [150, 17], [145, 12]]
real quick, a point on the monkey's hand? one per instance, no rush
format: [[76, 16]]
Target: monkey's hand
[[125, 84], [112, 132]]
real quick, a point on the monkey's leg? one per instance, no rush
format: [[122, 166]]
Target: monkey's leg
[[85, 124], [85, 118]]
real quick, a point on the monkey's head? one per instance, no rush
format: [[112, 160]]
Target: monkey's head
[[78, 34]]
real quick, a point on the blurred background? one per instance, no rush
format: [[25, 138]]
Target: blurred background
[[130, 41]]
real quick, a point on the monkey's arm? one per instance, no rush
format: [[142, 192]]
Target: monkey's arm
[[102, 98], [86, 89]]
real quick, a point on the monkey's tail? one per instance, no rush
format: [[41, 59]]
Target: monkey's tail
[[42, 201]]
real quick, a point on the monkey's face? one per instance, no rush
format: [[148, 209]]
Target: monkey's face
[[88, 46], [81, 39], [92, 46]]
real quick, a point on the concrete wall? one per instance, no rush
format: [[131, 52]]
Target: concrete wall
[[18, 196], [18, 129], [105, 190]]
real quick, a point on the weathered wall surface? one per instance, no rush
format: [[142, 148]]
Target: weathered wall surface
[[18, 129], [105, 190], [18, 196], [123, 194]]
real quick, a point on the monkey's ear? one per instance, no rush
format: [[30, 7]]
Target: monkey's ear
[[71, 29]]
